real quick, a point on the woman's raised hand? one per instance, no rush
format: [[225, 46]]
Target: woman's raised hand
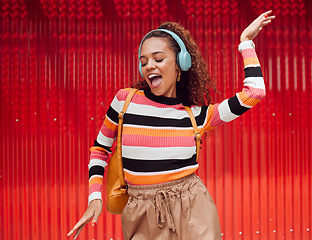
[[93, 211], [256, 26]]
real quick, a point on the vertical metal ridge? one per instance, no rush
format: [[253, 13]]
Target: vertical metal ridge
[[61, 67]]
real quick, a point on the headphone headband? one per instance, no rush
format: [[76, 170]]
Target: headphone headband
[[183, 58]]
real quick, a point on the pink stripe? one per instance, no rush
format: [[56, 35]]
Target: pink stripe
[[249, 53], [149, 141], [107, 132], [122, 94], [255, 93], [215, 120], [130, 182], [96, 187], [98, 155]]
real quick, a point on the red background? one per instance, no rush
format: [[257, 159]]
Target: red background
[[61, 63]]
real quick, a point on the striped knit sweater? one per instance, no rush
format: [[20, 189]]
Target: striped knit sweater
[[158, 143]]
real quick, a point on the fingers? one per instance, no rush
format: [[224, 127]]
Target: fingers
[[95, 218], [74, 229], [79, 226], [79, 230], [265, 14], [268, 19], [265, 23], [256, 26], [94, 210], [97, 214], [265, 19]]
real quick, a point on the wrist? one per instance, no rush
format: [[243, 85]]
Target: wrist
[[243, 39], [95, 200]]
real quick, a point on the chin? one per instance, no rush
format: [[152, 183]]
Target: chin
[[157, 93]]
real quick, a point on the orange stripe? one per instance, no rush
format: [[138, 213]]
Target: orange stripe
[[129, 89], [251, 61], [154, 179], [248, 100], [99, 149], [157, 132], [95, 180], [140, 93], [110, 125]]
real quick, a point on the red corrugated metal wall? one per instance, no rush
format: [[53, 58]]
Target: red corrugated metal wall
[[61, 62]]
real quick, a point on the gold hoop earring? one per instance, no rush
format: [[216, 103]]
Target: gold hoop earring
[[179, 76]]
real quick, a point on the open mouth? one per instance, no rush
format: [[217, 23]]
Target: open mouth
[[155, 80]]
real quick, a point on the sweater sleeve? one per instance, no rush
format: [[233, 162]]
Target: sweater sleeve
[[252, 92], [102, 147]]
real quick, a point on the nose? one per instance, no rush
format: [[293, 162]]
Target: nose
[[150, 65]]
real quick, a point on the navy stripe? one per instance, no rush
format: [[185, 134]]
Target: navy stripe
[[132, 118], [253, 72], [235, 106], [156, 121], [97, 144], [200, 119], [161, 99], [157, 165], [112, 114], [96, 170], [164, 122]]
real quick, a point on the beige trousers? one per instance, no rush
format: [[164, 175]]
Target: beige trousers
[[180, 210]]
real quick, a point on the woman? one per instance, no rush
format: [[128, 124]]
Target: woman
[[166, 199]]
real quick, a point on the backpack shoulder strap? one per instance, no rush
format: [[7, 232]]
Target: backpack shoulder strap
[[197, 133], [120, 123], [126, 104], [122, 113]]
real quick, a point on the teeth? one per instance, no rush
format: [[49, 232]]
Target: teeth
[[153, 75]]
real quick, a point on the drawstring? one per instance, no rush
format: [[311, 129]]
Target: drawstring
[[163, 210]]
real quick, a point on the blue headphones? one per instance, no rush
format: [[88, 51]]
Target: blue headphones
[[184, 60]]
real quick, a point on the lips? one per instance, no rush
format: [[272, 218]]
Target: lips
[[155, 79]]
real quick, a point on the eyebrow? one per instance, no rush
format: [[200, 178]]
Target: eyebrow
[[154, 53]]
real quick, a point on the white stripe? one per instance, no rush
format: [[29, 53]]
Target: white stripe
[[225, 113], [241, 102], [255, 82], [161, 153], [105, 140], [160, 173], [93, 176], [94, 195], [116, 124], [196, 110], [167, 113], [97, 162], [252, 65], [246, 45], [152, 111], [117, 105]]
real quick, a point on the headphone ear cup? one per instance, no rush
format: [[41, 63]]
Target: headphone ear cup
[[184, 61], [178, 60], [140, 69]]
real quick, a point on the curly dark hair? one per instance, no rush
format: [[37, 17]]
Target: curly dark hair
[[193, 88]]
